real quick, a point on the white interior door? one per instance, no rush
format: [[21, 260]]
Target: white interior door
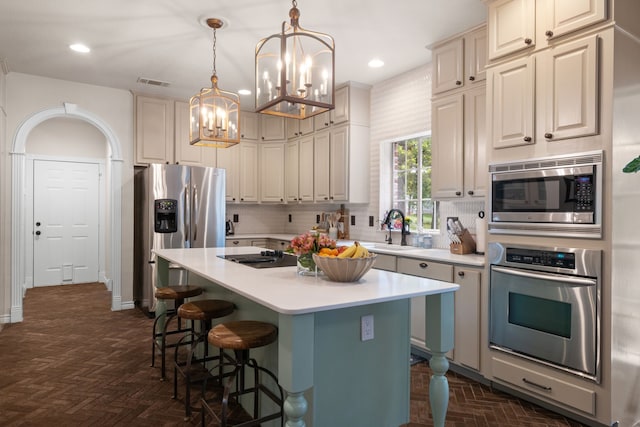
[[65, 222]]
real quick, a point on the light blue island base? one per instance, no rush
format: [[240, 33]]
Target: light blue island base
[[332, 377]]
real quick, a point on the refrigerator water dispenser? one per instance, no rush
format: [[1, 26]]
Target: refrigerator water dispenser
[[164, 216]]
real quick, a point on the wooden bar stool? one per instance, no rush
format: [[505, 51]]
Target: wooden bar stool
[[241, 336], [193, 369], [177, 294]]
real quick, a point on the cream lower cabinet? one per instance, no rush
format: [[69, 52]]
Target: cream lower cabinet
[[466, 350]]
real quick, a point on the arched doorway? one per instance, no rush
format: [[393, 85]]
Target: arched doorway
[[18, 240]]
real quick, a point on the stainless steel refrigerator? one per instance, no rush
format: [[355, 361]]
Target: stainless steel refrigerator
[[176, 206]]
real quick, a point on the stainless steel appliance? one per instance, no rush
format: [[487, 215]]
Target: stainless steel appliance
[[557, 196], [176, 207], [545, 305], [265, 259]]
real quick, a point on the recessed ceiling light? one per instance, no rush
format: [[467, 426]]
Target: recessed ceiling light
[[244, 92], [376, 63], [79, 47]]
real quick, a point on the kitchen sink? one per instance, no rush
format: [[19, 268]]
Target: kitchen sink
[[389, 247]]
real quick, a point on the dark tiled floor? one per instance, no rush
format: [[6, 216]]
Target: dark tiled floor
[[74, 362]]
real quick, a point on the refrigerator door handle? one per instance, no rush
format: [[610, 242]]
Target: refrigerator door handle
[[194, 223], [185, 216]]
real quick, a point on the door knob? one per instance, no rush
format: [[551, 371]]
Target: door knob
[[38, 233]]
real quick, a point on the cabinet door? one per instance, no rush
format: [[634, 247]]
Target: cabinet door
[[291, 171], [321, 166], [305, 126], [154, 130], [570, 87], [229, 160], [475, 142], [293, 128], [306, 169], [467, 317], [566, 16], [322, 121], [272, 128], [447, 147], [341, 102], [448, 66], [185, 153], [511, 26], [272, 172], [248, 126], [339, 164], [475, 53], [511, 88], [248, 171]]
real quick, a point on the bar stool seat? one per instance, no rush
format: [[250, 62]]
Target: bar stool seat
[[203, 311], [177, 294], [241, 336]]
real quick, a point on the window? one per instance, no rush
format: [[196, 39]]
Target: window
[[411, 182]]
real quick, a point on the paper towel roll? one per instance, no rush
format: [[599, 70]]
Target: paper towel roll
[[481, 234]]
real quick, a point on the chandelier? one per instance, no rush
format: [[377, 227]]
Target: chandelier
[[214, 113], [295, 71]]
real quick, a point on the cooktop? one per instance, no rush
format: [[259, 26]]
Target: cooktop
[[264, 259]]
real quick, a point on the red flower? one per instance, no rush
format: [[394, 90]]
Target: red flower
[[310, 243]]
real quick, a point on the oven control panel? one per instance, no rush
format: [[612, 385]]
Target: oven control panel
[[541, 257]]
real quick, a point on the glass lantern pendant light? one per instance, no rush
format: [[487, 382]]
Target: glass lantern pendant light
[[295, 71], [214, 113]]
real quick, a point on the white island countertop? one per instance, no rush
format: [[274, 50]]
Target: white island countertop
[[284, 291]]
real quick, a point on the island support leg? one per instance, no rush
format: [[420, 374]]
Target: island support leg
[[439, 339], [295, 364]]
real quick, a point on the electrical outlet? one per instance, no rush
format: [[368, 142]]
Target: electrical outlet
[[366, 327], [353, 220], [290, 218], [236, 218], [371, 221]]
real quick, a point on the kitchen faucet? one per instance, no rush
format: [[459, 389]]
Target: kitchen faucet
[[404, 231]]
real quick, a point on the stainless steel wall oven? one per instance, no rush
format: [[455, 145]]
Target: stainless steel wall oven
[[545, 305]]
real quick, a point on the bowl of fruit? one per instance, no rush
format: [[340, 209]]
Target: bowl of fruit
[[349, 264]]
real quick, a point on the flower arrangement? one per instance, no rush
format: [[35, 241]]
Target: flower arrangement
[[305, 245]]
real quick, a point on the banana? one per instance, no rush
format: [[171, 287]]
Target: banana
[[359, 251], [348, 253], [366, 253]]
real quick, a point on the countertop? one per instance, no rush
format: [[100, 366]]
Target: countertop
[[284, 291], [443, 255]]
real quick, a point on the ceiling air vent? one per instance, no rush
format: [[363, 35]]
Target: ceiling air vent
[[152, 82]]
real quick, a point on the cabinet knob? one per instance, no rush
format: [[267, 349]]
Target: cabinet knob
[[166, 163], [548, 33], [262, 137], [472, 78], [331, 198], [177, 163], [282, 200], [326, 124], [242, 135], [527, 139], [331, 121], [528, 41], [461, 273], [458, 82], [470, 192], [548, 135], [38, 233], [423, 265], [326, 198], [458, 193], [242, 199]]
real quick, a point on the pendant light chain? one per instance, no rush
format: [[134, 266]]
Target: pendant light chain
[[214, 51]]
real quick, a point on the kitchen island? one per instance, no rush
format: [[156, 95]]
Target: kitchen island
[[331, 376]]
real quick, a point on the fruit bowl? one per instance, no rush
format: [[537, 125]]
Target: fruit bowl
[[344, 269]]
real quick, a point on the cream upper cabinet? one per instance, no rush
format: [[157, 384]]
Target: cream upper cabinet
[[511, 90], [447, 146], [229, 160], [339, 164], [515, 25], [272, 128], [322, 121], [272, 171], [567, 76], [291, 170], [249, 128], [511, 26], [475, 143], [460, 61], [154, 130], [185, 153], [341, 102], [305, 168], [448, 66], [248, 171], [321, 162], [296, 128]]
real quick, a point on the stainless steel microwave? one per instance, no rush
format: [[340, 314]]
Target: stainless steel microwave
[[554, 196]]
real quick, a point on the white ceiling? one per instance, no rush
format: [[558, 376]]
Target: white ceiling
[[166, 40]]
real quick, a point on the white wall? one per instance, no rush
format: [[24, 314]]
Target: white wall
[[5, 284], [26, 95]]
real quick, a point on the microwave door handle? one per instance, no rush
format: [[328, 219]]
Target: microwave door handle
[[577, 281]]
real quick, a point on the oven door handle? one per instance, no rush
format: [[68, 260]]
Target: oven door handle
[[577, 281]]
